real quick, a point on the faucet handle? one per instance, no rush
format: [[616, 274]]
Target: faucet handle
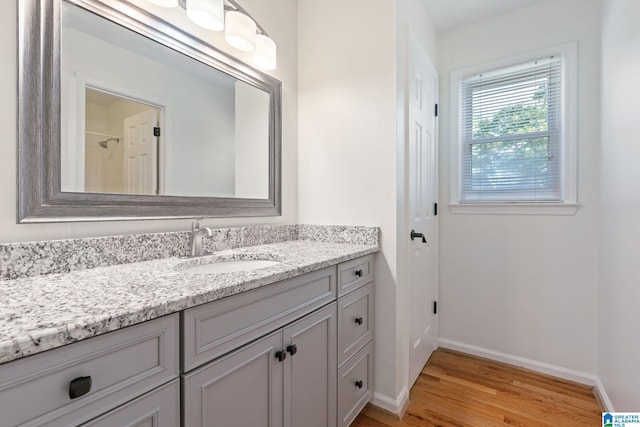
[[195, 225]]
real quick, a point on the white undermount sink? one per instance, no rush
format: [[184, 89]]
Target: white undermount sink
[[231, 266]]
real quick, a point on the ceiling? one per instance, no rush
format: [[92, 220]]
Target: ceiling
[[449, 14]]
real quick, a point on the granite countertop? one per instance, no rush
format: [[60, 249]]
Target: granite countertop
[[44, 312]]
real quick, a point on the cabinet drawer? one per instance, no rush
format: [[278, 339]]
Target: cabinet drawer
[[355, 273], [122, 365], [355, 322], [159, 408], [214, 329], [355, 385]]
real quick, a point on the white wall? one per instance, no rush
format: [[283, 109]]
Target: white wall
[[251, 144], [525, 285], [198, 126], [349, 159], [278, 17], [347, 134], [103, 167], [618, 344]]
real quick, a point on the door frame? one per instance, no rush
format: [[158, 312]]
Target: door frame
[[79, 82]]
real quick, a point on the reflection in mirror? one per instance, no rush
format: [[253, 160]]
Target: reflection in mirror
[[141, 118], [106, 152], [99, 79]]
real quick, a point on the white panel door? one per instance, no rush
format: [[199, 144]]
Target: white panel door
[[141, 153], [423, 262]]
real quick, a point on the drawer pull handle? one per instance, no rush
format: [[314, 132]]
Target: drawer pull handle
[[359, 273], [281, 355], [79, 387], [359, 320], [359, 384], [292, 349]]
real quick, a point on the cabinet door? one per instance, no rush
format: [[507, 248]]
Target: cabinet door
[[239, 390], [159, 408], [310, 370]]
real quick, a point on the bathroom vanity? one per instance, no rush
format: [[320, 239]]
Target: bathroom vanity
[[120, 331], [289, 345]]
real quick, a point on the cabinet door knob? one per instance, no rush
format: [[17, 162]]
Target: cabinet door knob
[[359, 320], [79, 387], [359, 384], [359, 273], [292, 349], [281, 355]]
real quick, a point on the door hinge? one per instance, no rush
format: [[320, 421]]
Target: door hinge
[[436, 110], [435, 209], [156, 131], [435, 307]]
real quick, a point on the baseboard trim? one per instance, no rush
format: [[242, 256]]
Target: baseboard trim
[[396, 406], [601, 395], [544, 368]]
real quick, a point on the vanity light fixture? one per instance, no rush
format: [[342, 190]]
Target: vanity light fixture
[[241, 31], [265, 54], [208, 14]]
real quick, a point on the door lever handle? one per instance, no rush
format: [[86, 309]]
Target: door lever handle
[[419, 235]]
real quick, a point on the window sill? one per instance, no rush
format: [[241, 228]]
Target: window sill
[[515, 208]]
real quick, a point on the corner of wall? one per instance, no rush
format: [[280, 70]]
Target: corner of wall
[[397, 406]]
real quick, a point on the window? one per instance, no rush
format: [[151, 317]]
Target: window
[[513, 135]]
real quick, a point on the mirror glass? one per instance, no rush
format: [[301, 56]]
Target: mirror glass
[[138, 117], [123, 115]]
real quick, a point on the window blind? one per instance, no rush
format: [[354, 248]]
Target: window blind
[[511, 122]]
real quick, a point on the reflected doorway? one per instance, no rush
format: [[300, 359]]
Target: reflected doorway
[[122, 144]]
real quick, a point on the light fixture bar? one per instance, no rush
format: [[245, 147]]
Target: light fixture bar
[[263, 47], [232, 5]]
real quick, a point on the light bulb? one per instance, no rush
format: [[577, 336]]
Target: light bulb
[[265, 54], [240, 31], [208, 14]]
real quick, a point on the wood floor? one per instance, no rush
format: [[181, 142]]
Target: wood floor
[[456, 389]]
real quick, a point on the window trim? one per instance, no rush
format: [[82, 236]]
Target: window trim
[[568, 174]]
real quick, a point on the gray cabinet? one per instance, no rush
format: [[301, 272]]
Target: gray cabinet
[[286, 378], [355, 273], [355, 318], [159, 408], [238, 390], [355, 385], [295, 353], [214, 329], [310, 366], [76, 383], [355, 338]]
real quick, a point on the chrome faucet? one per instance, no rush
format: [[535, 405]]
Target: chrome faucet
[[197, 232]]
